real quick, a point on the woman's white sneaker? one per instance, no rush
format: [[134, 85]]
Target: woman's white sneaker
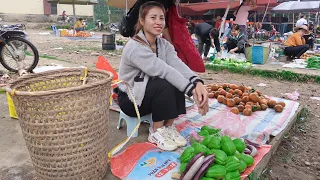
[[162, 139], [176, 137]]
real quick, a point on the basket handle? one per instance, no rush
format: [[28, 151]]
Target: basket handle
[[84, 75]]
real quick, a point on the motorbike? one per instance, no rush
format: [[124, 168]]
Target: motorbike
[[112, 27], [16, 51]]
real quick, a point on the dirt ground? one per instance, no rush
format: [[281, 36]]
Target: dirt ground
[[297, 158]]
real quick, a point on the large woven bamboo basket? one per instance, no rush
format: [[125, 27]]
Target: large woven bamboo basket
[[65, 121]]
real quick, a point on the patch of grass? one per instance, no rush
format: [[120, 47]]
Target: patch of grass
[[302, 118], [287, 158], [281, 75], [49, 57], [66, 26]]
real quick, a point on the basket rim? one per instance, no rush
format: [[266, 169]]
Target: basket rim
[[61, 90]]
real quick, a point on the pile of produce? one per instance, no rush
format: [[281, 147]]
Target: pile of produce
[[242, 98], [216, 157], [306, 56], [313, 62], [121, 42], [65, 33], [230, 62]]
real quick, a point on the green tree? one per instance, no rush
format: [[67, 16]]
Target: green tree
[[101, 12]]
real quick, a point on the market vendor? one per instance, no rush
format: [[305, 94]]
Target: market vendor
[[237, 41], [79, 25], [207, 37], [310, 36], [296, 44], [242, 14], [158, 79]]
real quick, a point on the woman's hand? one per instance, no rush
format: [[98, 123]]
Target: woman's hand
[[232, 51], [200, 95]]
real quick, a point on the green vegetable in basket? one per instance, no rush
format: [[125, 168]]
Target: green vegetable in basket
[[187, 155]]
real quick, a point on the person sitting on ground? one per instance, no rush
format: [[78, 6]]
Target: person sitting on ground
[[296, 44], [236, 41], [158, 79], [203, 33], [79, 26]]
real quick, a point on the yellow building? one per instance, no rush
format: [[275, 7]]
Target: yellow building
[[42, 7]]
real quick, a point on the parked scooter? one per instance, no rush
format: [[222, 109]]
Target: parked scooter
[[112, 27], [16, 52]]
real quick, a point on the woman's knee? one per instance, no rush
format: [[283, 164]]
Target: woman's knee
[[306, 46], [163, 85]]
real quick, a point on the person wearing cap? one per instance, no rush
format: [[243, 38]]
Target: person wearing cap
[[296, 44], [207, 37]]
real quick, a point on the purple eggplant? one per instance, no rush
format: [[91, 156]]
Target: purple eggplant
[[253, 150], [251, 143], [205, 166], [247, 151], [190, 163], [194, 169]]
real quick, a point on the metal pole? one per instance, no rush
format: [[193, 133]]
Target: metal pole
[[94, 16], [74, 13], [254, 27], [126, 6], [109, 18], [293, 24], [224, 18]]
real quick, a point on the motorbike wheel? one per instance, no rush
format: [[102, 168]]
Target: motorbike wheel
[[22, 53]]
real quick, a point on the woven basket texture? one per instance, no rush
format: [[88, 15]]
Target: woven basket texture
[[64, 122], [257, 57]]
